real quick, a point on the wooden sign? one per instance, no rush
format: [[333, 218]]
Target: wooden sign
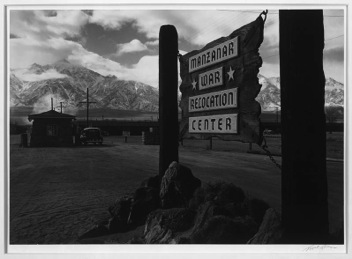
[[219, 87]]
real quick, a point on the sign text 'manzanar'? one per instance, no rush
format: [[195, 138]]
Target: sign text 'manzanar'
[[213, 101], [223, 123], [221, 52]]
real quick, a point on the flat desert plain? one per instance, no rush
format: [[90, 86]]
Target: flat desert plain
[[58, 194]]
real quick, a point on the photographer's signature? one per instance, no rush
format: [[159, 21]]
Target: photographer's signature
[[319, 247]]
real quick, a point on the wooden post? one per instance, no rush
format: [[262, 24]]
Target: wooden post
[[304, 181], [168, 107]]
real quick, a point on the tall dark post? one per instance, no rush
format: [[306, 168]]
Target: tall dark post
[[168, 107], [304, 181]]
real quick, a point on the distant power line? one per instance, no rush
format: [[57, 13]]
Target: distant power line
[[335, 37]]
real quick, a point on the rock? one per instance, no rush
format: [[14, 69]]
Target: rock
[[120, 213], [218, 199], [121, 208], [224, 230], [197, 198], [204, 213], [152, 182], [145, 200], [270, 231], [257, 209], [117, 224], [177, 186], [161, 225], [229, 193]]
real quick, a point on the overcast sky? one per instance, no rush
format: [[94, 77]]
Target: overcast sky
[[124, 43]]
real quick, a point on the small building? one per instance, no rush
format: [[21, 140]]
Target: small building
[[51, 128]]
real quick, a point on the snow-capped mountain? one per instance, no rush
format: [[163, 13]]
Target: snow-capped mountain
[[67, 83], [334, 93], [269, 96]]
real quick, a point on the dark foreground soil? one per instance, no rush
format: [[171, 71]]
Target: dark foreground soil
[[57, 194]]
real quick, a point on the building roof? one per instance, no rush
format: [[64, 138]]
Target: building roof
[[50, 115]]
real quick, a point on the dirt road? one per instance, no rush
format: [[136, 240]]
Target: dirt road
[[57, 194]]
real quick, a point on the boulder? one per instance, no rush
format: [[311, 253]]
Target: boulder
[[225, 230], [270, 231], [204, 213], [152, 182], [120, 212], [177, 186], [161, 225], [121, 207], [229, 193], [145, 200], [257, 209]]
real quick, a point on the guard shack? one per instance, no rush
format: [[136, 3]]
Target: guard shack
[[51, 128]]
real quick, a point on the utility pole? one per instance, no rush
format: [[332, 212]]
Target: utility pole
[[61, 106], [87, 102]]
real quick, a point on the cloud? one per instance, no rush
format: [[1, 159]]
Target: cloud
[[132, 46], [13, 36], [334, 54], [26, 51], [47, 36], [196, 26], [26, 75], [152, 43], [97, 63], [36, 24]]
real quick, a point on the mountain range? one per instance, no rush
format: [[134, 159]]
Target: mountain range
[[269, 96], [67, 83]]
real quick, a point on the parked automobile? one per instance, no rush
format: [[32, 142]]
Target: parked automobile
[[91, 135]]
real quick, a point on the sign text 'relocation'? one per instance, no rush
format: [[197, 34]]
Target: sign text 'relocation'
[[213, 101]]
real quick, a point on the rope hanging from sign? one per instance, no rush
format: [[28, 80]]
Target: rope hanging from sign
[[268, 153]]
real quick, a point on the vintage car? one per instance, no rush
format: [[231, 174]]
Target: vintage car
[[91, 135]]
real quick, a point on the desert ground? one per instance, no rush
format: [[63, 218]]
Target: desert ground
[[57, 194]]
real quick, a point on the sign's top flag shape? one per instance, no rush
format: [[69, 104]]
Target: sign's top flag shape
[[220, 84]]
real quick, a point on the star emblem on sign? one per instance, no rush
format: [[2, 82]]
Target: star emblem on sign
[[194, 83], [230, 73]]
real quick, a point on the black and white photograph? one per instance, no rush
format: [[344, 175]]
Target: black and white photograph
[[176, 127]]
